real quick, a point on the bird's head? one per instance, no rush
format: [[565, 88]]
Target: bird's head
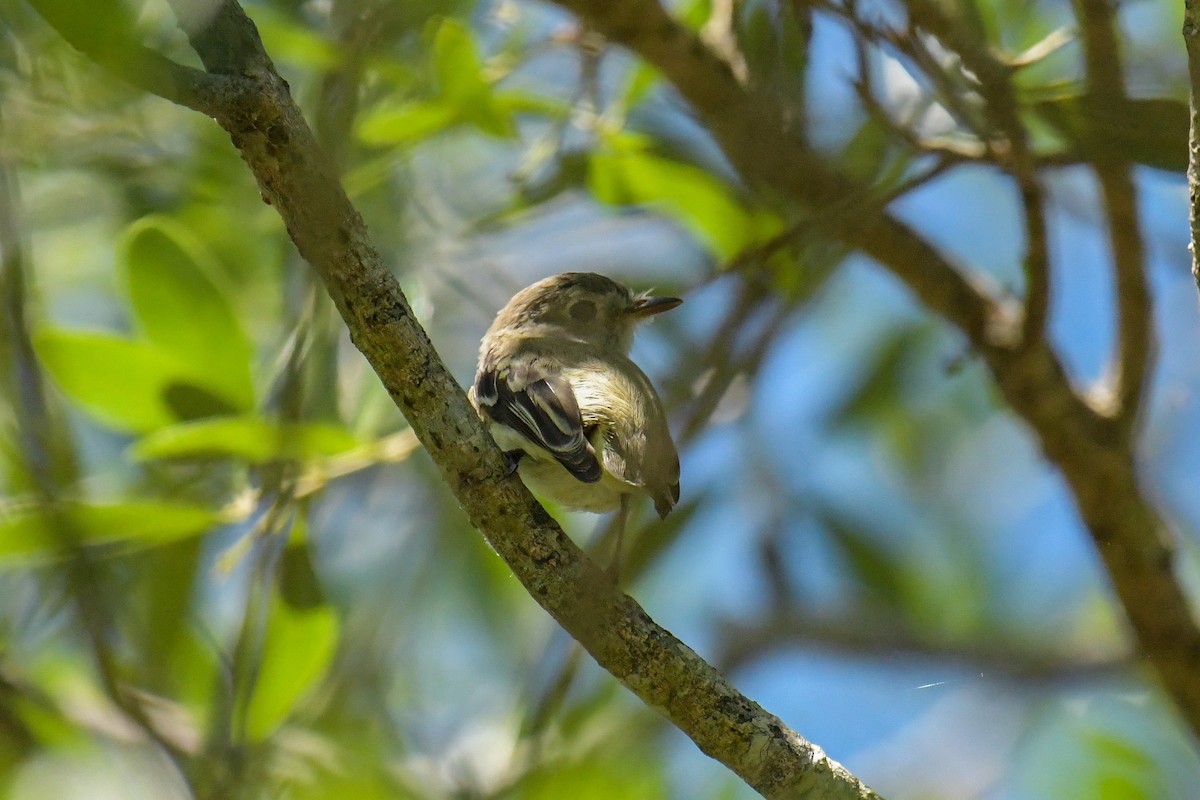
[[581, 306]]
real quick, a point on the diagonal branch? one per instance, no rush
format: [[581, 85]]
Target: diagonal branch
[[1099, 467], [298, 181]]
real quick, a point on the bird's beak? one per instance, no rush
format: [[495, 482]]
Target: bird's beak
[[646, 306]]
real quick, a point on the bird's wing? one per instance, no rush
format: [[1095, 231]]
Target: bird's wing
[[636, 447], [540, 405]]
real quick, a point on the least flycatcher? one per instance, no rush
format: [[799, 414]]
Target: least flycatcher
[[578, 419]]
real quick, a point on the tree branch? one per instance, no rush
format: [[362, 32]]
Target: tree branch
[[107, 39], [295, 178], [1136, 342], [996, 85], [1098, 466], [1191, 39]]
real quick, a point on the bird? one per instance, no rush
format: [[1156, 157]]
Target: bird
[[577, 419]]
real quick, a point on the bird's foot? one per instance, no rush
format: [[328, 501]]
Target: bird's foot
[[512, 460]]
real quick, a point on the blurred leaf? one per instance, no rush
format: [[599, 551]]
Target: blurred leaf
[[290, 42], [465, 96], [1124, 771], [161, 597], [105, 30], [142, 522], [694, 13], [1111, 786], [299, 586], [865, 153], [407, 123], [642, 78], [459, 70], [699, 201], [457, 64], [879, 393], [297, 651], [252, 439], [629, 779], [182, 311], [774, 40], [122, 383], [194, 402], [517, 101], [872, 562], [1153, 132]]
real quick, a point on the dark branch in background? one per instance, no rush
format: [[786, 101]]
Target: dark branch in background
[[1099, 467], [998, 656], [1136, 342], [1191, 39], [294, 177]]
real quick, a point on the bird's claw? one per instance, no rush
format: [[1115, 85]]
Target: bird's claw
[[512, 460]]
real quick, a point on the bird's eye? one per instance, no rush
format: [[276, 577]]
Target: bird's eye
[[583, 311]]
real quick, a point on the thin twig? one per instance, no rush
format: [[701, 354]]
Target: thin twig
[[996, 86]]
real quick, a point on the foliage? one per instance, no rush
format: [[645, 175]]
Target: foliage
[[219, 542]]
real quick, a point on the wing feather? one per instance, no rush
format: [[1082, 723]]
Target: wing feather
[[542, 408]]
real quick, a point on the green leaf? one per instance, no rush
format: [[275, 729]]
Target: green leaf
[[632, 778], [865, 153], [122, 383], [296, 654], [642, 79], [457, 64], [183, 312], [105, 30], [251, 439], [139, 522], [459, 70], [876, 568], [517, 101], [289, 42], [407, 123], [703, 204]]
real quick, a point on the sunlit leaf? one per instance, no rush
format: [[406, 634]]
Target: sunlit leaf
[[298, 648], [183, 312], [103, 29], [456, 62], [121, 382], [631, 779], [407, 123], [250, 439], [459, 70], [516, 101], [137, 522], [287, 41], [699, 201], [694, 13]]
